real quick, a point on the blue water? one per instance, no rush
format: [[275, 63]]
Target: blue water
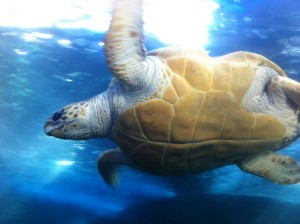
[[39, 76]]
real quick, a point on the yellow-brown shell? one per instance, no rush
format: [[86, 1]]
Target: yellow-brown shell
[[198, 123]]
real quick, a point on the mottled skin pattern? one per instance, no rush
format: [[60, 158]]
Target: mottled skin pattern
[[177, 111]]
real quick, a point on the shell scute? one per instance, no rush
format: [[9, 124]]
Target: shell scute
[[243, 76], [149, 156], [170, 95], [262, 127], [223, 71], [155, 116], [175, 158], [238, 125], [180, 85], [214, 112], [201, 159], [130, 124], [186, 112], [198, 74]]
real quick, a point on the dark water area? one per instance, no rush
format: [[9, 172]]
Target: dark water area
[[182, 209], [47, 180]]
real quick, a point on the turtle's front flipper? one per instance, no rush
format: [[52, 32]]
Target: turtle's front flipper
[[124, 46], [108, 164], [272, 166]]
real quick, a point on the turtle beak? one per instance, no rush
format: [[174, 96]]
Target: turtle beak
[[53, 129], [54, 125]]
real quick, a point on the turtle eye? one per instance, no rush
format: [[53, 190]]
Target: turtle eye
[[57, 115]]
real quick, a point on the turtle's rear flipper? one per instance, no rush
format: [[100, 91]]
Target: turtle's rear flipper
[[108, 164], [272, 166]]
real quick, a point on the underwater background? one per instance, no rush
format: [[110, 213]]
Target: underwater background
[[48, 65]]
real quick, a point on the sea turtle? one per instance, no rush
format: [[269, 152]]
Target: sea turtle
[[177, 111]]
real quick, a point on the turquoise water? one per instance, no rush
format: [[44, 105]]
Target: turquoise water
[[46, 180]]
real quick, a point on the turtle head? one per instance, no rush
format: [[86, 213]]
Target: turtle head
[[81, 120], [71, 122]]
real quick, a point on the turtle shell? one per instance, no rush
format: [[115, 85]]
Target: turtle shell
[[198, 123]]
